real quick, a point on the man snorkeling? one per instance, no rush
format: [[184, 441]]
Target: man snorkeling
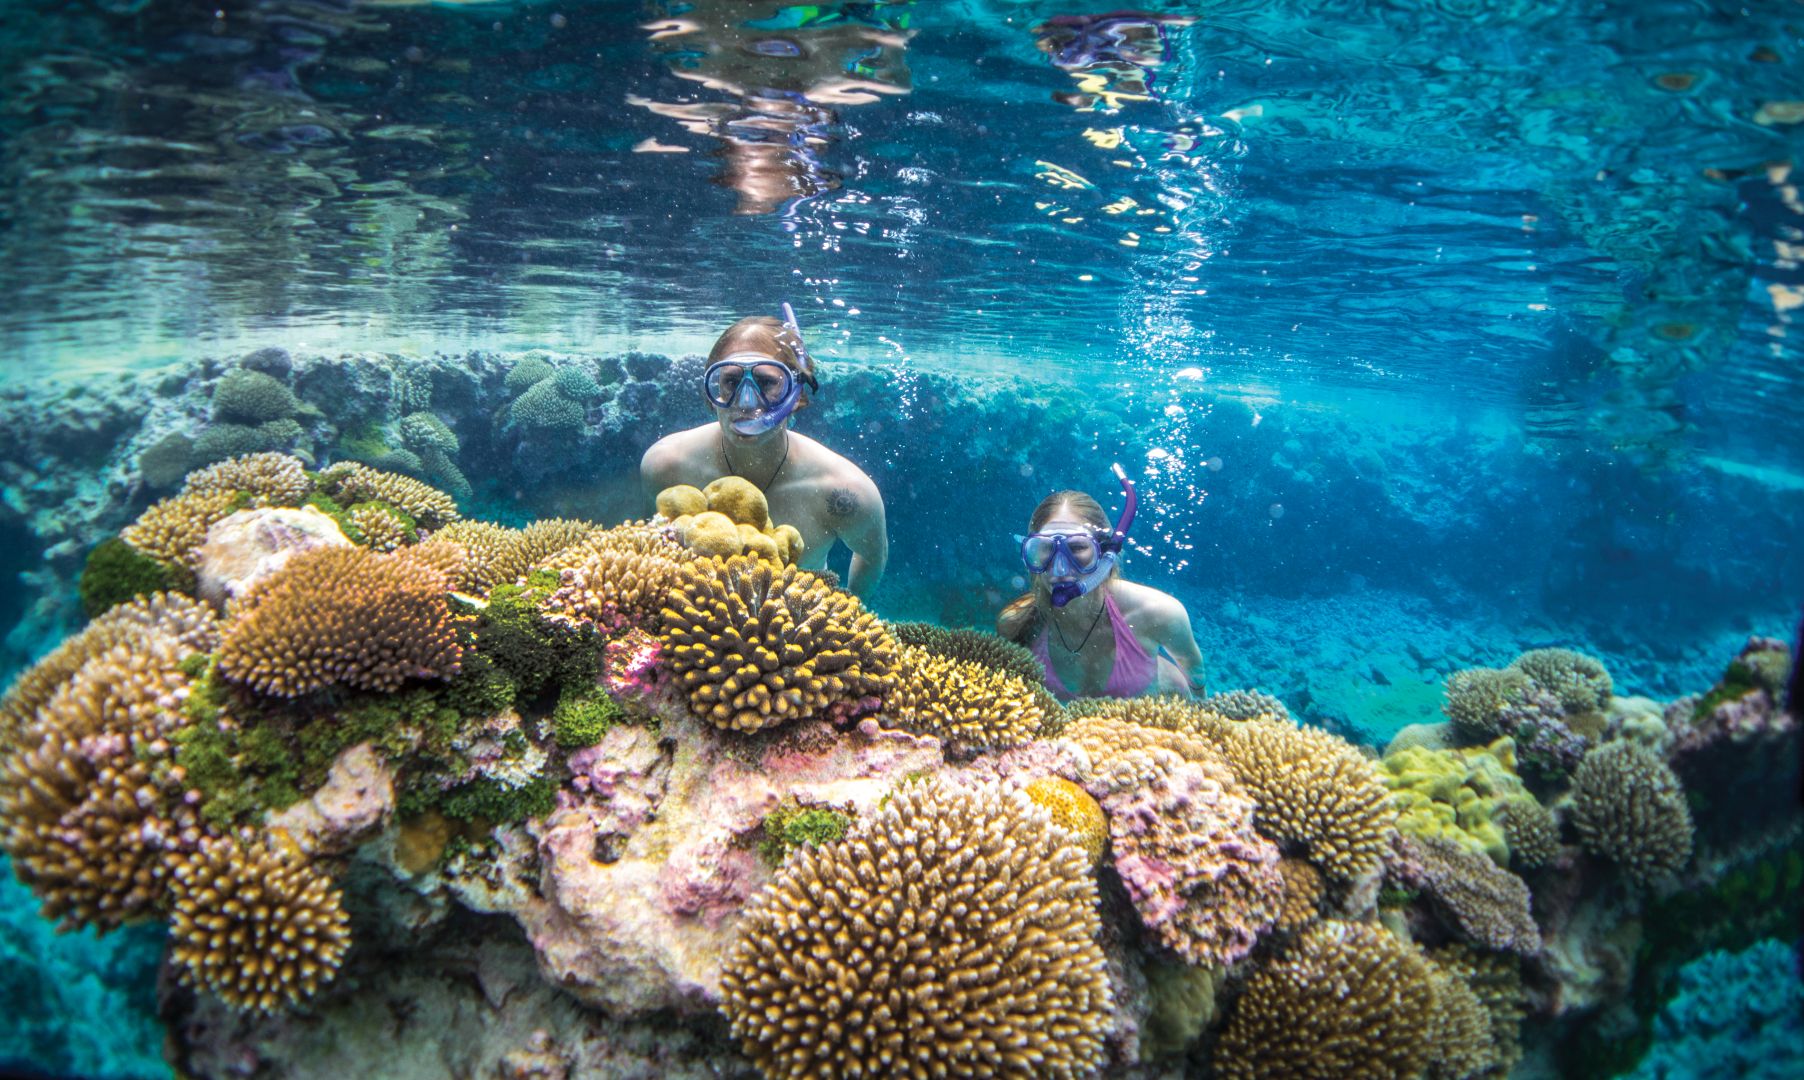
[[1074, 555], [758, 374]]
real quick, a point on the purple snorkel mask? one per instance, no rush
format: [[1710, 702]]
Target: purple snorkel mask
[[759, 384], [1090, 559]]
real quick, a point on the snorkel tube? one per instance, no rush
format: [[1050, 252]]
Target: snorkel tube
[[768, 417], [1063, 592]]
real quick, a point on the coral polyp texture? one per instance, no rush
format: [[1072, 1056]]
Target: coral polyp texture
[[753, 646], [1488, 904], [963, 703], [268, 479], [975, 646], [728, 517], [1344, 1001], [1552, 702], [256, 924], [1247, 705], [614, 578], [1316, 794], [1303, 894], [1073, 810], [498, 555], [951, 933], [1630, 809], [1579, 682], [172, 531], [350, 482], [342, 616]]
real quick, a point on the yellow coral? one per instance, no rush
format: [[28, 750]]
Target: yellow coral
[[1456, 794], [1303, 891], [172, 531], [713, 533], [1075, 811], [613, 576], [1315, 792], [759, 544], [789, 538], [754, 646], [740, 500], [681, 499], [962, 702]]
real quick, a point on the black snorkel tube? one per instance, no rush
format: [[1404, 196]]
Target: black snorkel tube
[[1063, 592]]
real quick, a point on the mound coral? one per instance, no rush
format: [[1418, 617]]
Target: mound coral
[[1550, 701], [967, 705], [753, 646], [1073, 810], [1580, 682], [1629, 808], [1315, 794], [268, 479], [252, 397], [1247, 705], [951, 933], [342, 616], [1166, 712], [1476, 698], [729, 517], [255, 923], [545, 409], [1458, 794], [679, 500], [1489, 904], [974, 646], [739, 499], [351, 483], [172, 531], [614, 578], [1345, 1001], [528, 372]]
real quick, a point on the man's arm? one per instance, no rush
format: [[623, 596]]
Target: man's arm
[[855, 513], [657, 468]]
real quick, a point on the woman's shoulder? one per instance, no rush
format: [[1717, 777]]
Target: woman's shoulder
[[1144, 603]]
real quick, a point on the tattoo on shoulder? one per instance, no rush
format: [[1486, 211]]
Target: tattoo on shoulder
[[841, 502]]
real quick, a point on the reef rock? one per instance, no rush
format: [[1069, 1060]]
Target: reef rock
[[357, 799], [248, 546]]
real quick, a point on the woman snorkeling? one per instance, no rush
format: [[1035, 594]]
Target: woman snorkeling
[[1096, 633]]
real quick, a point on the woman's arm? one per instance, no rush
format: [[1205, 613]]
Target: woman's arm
[[1171, 626]]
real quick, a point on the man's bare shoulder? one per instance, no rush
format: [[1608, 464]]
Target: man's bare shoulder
[[675, 455]]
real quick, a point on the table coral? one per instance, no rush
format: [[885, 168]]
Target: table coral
[[1630, 809], [951, 933]]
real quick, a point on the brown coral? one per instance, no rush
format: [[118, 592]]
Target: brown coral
[[382, 530], [1630, 809], [953, 933], [172, 531], [350, 482], [1460, 1032], [255, 923], [1303, 891], [966, 704], [753, 646], [1495, 979], [975, 646], [1167, 712], [1315, 792], [614, 577], [1532, 832], [497, 555], [1345, 1001], [269, 479], [342, 616], [1490, 905]]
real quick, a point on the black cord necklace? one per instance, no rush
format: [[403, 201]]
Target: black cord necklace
[[727, 459], [1094, 623]]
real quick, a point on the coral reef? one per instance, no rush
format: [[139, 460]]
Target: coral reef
[[1579, 682], [1461, 795], [753, 646], [615, 578], [1073, 810], [952, 933], [497, 555], [117, 572], [729, 517], [1551, 702], [351, 483], [966, 704], [1488, 904], [267, 479], [252, 397], [173, 530], [1341, 1002], [974, 646], [1303, 894], [1629, 808]]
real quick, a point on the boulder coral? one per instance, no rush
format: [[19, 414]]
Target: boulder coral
[[967, 705], [255, 923], [753, 646], [729, 517], [952, 933], [252, 397], [1344, 1001], [1630, 809], [1460, 794], [342, 616]]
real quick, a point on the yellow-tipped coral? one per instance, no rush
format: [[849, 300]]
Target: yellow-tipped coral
[[255, 924], [350, 482], [753, 646], [729, 517], [268, 479], [1345, 1001], [713, 533], [1303, 892], [1315, 794], [172, 531], [965, 704], [1073, 810], [952, 933], [342, 616]]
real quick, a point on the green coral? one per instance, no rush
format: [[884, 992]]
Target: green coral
[[1456, 794], [480, 688], [166, 461], [418, 723], [537, 654], [1739, 679], [490, 801], [115, 572], [527, 373], [423, 429], [575, 383], [791, 826], [222, 441], [252, 397], [241, 770], [582, 719], [544, 408]]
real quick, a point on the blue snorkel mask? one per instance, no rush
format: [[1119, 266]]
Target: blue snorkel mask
[[1087, 557], [761, 385]]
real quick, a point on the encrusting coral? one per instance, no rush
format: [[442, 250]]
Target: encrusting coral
[[172, 531], [1629, 808], [1344, 1001], [268, 479], [1460, 795], [951, 933], [350, 482], [1490, 905], [753, 646], [966, 704], [342, 616], [1073, 810], [255, 923]]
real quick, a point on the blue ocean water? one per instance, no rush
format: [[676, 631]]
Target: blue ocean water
[[1431, 330]]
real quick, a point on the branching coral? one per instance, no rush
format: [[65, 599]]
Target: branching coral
[[1549, 701], [351, 483], [1495, 979], [545, 409], [1247, 705], [974, 646], [172, 531], [1579, 682], [1531, 831], [1166, 712], [1315, 793], [1460, 1033], [1303, 891], [380, 526], [498, 555], [1345, 1001], [614, 578], [255, 923], [753, 646], [966, 704], [268, 479], [342, 616], [1629, 808], [1489, 904], [952, 933]]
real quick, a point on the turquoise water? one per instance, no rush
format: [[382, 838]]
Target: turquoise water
[[1431, 332]]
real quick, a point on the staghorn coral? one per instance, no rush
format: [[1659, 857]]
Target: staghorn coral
[[1344, 1001], [975, 646], [342, 616], [255, 923], [381, 526], [966, 705], [1629, 808], [1315, 793], [1073, 810], [172, 531], [1579, 682], [952, 933], [614, 578], [269, 479], [1303, 892], [1247, 705], [350, 482], [1489, 904], [1495, 979], [753, 646]]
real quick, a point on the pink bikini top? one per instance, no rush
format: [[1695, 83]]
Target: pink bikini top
[[1134, 670]]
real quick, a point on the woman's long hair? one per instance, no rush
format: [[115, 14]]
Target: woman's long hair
[[1023, 618]]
